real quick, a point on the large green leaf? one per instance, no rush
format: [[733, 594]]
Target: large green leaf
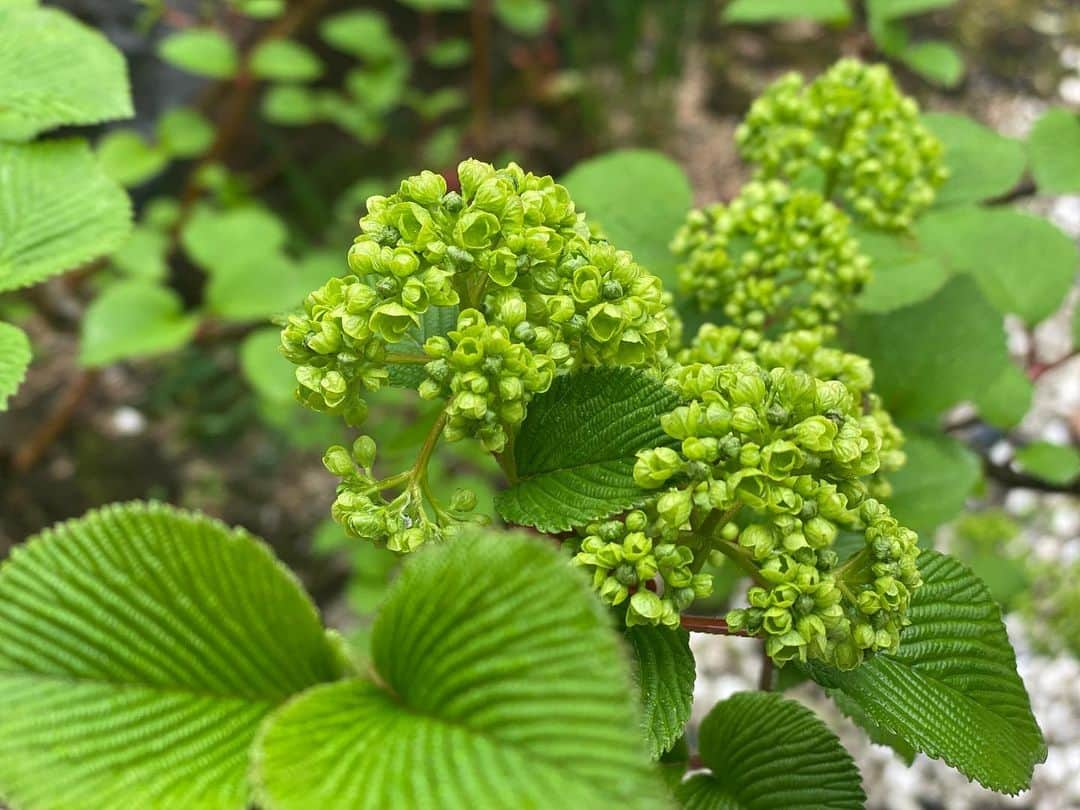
[[931, 488], [640, 199], [131, 319], [216, 239], [1007, 400], [144, 255], [575, 452], [140, 649], [902, 273], [57, 210], [499, 682], [1024, 264], [202, 51], [936, 353], [56, 72], [665, 676], [951, 689], [766, 752], [1054, 147], [14, 360], [1057, 463], [854, 712], [765, 11], [982, 164]]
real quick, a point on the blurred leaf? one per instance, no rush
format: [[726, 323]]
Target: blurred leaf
[[931, 355], [938, 62], [892, 9], [430, 106], [58, 210], [1023, 264], [260, 9], [380, 87], [264, 367], [215, 239], [184, 132], [931, 488], [143, 255], [449, 53], [1007, 400], [133, 319], [902, 274], [1056, 463], [639, 198], [202, 51], [982, 164], [290, 105], [14, 360], [255, 287], [285, 60], [56, 72], [362, 33], [1054, 147], [525, 17], [437, 5], [765, 11], [128, 159]]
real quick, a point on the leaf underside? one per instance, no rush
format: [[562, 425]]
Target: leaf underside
[[575, 452]]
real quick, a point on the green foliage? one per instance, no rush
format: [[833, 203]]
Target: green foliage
[[932, 486], [999, 247], [665, 676], [1007, 400], [286, 61], [902, 274], [14, 360], [525, 17], [449, 53], [639, 198], [502, 686], [202, 51], [131, 319], [263, 366], [144, 254], [765, 752], [127, 158], [57, 210], [184, 133], [936, 61], [1056, 463], [571, 470], [1054, 149], [894, 9], [981, 163], [933, 354], [363, 33], [57, 72], [140, 649], [764, 11], [951, 689]]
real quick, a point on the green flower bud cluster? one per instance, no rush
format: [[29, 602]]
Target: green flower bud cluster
[[405, 521], [640, 567], [853, 130], [773, 253], [804, 350], [787, 453]]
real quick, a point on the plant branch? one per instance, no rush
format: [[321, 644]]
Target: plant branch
[[31, 451], [713, 625]]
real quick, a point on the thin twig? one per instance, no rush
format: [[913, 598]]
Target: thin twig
[[766, 680], [712, 625], [1037, 369], [47, 431]]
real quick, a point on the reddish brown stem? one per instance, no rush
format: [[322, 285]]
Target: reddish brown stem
[[32, 450], [713, 625]]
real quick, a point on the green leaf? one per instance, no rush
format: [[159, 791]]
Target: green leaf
[[14, 360], [665, 677], [255, 287], [435, 322], [766, 11], [854, 712], [184, 132], [767, 752], [640, 198], [128, 159], [902, 273], [982, 164], [140, 649], [58, 210], [202, 51], [57, 72], [1054, 147], [362, 33], [576, 449], [525, 17], [936, 61], [290, 105], [286, 61], [216, 239], [1059, 464], [260, 9], [264, 367], [893, 9], [936, 353], [931, 488], [1024, 264], [951, 690], [436, 5], [449, 53], [1007, 400], [500, 684], [134, 318], [144, 254]]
